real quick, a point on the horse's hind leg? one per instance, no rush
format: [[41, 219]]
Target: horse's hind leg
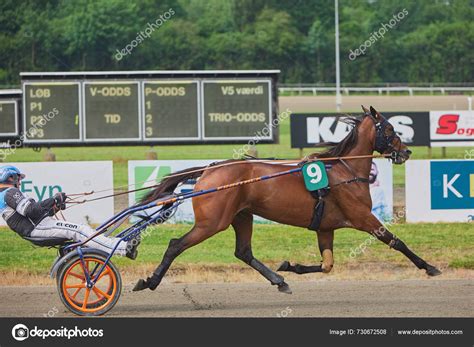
[[242, 224], [325, 242], [176, 246], [374, 227]]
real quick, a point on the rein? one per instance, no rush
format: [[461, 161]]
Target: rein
[[284, 162]]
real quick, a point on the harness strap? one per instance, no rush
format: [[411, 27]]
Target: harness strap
[[355, 179], [352, 180], [347, 166], [317, 215]]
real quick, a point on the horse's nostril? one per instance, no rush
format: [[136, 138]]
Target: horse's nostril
[[408, 152]]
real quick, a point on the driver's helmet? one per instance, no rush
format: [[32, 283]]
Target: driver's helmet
[[10, 174]]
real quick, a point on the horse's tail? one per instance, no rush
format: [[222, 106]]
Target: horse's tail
[[169, 184]]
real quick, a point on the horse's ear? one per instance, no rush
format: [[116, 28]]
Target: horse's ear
[[365, 109], [374, 113]]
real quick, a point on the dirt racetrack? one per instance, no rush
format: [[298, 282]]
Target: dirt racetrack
[[402, 298], [383, 103]]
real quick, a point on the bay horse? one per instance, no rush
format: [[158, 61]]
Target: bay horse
[[285, 200]]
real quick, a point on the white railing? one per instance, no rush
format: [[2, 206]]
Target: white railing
[[380, 90]]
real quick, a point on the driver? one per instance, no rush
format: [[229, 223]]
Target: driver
[[29, 218]]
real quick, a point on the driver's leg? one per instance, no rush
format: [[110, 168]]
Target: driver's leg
[[51, 227]]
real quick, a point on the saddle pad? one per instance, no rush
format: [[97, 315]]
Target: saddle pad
[[315, 176]]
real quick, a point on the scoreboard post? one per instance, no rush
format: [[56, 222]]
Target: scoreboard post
[[149, 107]]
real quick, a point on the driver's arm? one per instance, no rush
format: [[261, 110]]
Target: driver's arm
[[29, 207]]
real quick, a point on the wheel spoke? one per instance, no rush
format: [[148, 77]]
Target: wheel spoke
[[81, 285], [100, 292], [73, 274], [86, 297], [105, 272], [73, 296]]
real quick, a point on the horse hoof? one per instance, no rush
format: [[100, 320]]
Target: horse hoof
[[284, 288], [284, 266], [432, 271], [141, 285]]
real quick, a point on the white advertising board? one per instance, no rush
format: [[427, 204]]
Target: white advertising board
[[43, 180], [439, 190], [452, 128], [146, 173]]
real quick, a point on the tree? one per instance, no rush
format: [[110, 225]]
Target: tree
[[432, 43]]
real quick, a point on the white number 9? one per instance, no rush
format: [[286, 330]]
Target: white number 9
[[314, 172]]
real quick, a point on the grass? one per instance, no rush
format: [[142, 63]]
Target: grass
[[443, 244], [121, 155]]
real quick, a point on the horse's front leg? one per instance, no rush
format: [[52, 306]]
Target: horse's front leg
[[373, 226], [325, 242]]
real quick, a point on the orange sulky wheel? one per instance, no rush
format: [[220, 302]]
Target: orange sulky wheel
[[84, 301]]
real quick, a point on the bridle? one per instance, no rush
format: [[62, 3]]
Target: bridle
[[383, 142], [383, 145]]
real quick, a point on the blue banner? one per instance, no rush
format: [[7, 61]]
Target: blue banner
[[452, 184]]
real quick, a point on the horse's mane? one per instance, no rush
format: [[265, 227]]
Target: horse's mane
[[337, 149]]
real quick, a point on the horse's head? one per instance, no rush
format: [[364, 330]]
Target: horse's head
[[386, 139]]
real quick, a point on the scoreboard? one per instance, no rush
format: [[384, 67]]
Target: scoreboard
[[111, 111], [9, 114], [171, 110], [149, 107], [8, 118], [51, 112], [235, 108]]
